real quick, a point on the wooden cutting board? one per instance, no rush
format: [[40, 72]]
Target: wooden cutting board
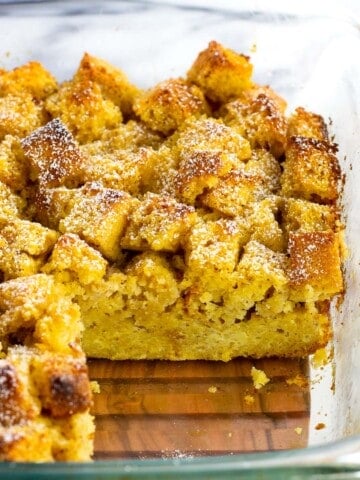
[[152, 409]]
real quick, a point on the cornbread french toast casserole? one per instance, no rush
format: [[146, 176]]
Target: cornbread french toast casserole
[[194, 220]]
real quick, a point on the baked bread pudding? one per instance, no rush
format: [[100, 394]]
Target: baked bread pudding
[[193, 220]]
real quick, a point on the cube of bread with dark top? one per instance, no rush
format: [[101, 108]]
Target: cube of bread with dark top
[[311, 170], [221, 73], [20, 115], [158, 223], [314, 266], [14, 171], [99, 216], [305, 216], [11, 205], [201, 170], [31, 78], [236, 190], [166, 106], [24, 246], [73, 259], [54, 157], [112, 81], [82, 107], [156, 286], [42, 392], [307, 124], [260, 118], [62, 384], [35, 310]]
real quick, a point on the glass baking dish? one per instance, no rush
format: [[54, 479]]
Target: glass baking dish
[[190, 420]]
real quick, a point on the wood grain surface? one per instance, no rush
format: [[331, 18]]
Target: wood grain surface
[[151, 409]]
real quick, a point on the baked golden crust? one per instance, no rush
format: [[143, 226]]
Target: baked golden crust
[[194, 220]]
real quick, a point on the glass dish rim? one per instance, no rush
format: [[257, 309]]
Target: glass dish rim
[[325, 458]]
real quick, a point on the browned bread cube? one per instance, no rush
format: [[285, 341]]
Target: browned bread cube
[[73, 259], [113, 82], [37, 311], [314, 266], [85, 111], [13, 169], [236, 190], [99, 215], [221, 73], [20, 115], [301, 215], [11, 205], [311, 170], [259, 118], [209, 135], [167, 105], [31, 78], [45, 398], [53, 155], [53, 204], [307, 124], [198, 171], [211, 255], [158, 223], [23, 247]]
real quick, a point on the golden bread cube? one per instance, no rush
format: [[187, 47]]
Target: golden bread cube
[[209, 135], [262, 217], [307, 124], [198, 171], [112, 81], [236, 190], [158, 223], [119, 170], [54, 157], [314, 268], [260, 119], [99, 216], [152, 285], [305, 216], [259, 272], [264, 165], [221, 73], [20, 115], [13, 168], [24, 246], [31, 78], [158, 170], [211, 255], [36, 311], [72, 258], [53, 204], [82, 107], [62, 384], [11, 205], [311, 170], [132, 135], [166, 106]]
